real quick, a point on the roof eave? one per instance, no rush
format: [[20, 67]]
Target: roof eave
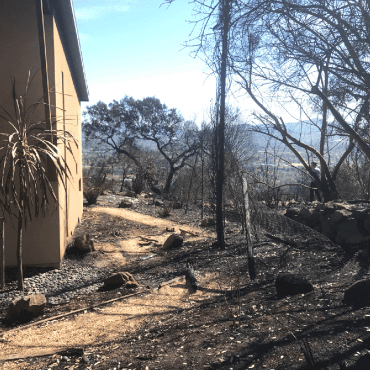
[[65, 17]]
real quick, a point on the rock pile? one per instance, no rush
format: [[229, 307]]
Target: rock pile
[[341, 222]]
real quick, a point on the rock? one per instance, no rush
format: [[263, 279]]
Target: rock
[[328, 228], [341, 222], [362, 363], [293, 213], [26, 308], [290, 284], [156, 190], [131, 282], [176, 205], [129, 193], [358, 294], [206, 222], [320, 206], [84, 244], [72, 351], [339, 215], [85, 360], [128, 183], [121, 278], [306, 213], [367, 225], [361, 214], [158, 203], [125, 204], [330, 207], [348, 232], [173, 241]]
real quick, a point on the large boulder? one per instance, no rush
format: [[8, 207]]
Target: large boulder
[[121, 278], [358, 294], [291, 284], [26, 308], [173, 241], [83, 244]]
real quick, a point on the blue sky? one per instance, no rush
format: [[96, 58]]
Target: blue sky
[[134, 47]]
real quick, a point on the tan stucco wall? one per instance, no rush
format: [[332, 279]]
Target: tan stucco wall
[[44, 239], [70, 121]]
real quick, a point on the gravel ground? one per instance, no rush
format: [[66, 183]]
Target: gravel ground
[[58, 285]]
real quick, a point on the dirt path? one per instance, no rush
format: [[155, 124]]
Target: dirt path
[[122, 317], [102, 325], [130, 248], [147, 220]]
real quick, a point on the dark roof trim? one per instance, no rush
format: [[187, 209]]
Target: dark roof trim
[[66, 23], [47, 6]]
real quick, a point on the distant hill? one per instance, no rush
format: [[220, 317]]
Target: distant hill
[[306, 133]]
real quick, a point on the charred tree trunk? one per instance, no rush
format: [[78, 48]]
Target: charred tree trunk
[[190, 184], [247, 227], [169, 180], [220, 149]]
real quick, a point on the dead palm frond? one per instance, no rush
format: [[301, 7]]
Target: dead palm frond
[[26, 152]]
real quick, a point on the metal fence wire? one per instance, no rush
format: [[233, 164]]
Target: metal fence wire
[[294, 247]]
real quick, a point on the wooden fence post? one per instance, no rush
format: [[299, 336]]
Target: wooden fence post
[[247, 228]]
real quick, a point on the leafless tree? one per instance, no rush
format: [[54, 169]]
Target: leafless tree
[[304, 53]]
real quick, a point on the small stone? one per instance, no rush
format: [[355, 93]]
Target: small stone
[[130, 194], [158, 203], [85, 360], [206, 222], [125, 204]]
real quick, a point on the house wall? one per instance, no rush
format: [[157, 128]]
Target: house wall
[[69, 120], [44, 239]]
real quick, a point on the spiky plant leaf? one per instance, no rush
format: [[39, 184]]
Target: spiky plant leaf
[[24, 155]]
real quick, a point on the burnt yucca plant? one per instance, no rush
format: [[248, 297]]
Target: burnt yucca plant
[[25, 152]]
